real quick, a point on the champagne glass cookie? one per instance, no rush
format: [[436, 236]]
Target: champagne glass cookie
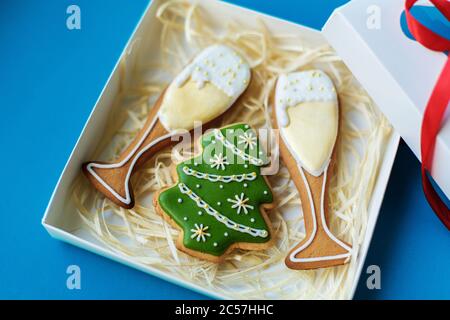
[[307, 114], [202, 92]]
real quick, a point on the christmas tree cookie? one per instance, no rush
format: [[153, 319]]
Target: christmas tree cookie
[[220, 200]]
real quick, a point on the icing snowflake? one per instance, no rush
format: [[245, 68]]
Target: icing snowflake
[[219, 161], [248, 140], [199, 233], [239, 203]]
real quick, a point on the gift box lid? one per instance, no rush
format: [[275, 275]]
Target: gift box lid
[[399, 73]]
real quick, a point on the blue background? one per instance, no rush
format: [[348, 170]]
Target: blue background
[[50, 78]]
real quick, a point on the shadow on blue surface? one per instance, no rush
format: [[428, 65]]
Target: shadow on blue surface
[[410, 245], [49, 82]]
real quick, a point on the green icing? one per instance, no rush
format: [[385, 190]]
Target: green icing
[[185, 211]]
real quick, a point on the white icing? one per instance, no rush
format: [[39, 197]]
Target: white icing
[[297, 87], [221, 66], [127, 199], [237, 151], [311, 133], [199, 233], [248, 140], [219, 161], [220, 217], [240, 203], [215, 178], [292, 256]]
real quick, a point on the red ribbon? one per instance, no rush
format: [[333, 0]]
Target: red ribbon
[[437, 104]]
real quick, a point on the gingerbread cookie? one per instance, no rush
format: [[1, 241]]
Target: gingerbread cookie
[[307, 114], [220, 200], [202, 92]]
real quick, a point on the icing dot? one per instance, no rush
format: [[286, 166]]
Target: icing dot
[[215, 244], [245, 185], [246, 126], [198, 186], [200, 213], [245, 165], [226, 234], [219, 203], [265, 192], [264, 233], [252, 220], [180, 200], [185, 218], [221, 186]]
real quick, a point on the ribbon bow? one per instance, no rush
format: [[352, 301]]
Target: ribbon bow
[[436, 106]]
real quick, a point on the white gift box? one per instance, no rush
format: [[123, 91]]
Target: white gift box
[[397, 72], [61, 219]]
